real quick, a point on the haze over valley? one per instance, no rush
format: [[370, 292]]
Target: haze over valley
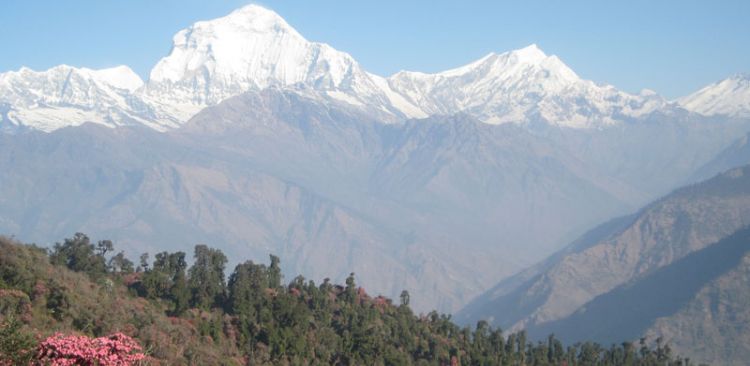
[[509, 189]]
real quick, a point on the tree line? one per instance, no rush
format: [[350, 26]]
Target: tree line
[[266, 321]]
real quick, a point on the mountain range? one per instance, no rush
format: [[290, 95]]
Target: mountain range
[[251, 138], [253, 48]]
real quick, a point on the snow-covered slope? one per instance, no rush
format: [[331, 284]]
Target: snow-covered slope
[[730, 97], [250, 49], [520, 86], [67, 96], [254, 48]]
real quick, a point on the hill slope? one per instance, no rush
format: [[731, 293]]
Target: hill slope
[[687, 220], [698, 304]]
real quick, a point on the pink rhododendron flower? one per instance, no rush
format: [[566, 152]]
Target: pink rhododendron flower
[[114, 350]]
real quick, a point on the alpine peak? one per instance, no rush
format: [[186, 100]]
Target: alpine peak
[[259, 18], [530, 54], [121, 77], [245, 41], [729, 97]]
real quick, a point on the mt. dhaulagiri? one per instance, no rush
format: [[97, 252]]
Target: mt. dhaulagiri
[[480, 182], [253, 48], [251, 138], [250, 49]]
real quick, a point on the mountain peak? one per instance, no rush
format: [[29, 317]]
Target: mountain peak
[[253, 48], [529, 54], [250, 40], [729, 97], [258, 18], [254, 10], [121, 77], [520, 86]]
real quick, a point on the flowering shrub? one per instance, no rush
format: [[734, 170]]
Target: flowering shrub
[[114, 350]]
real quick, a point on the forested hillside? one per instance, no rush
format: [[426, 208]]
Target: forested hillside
[[189, 314]]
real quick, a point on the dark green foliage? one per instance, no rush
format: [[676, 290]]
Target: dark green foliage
[[247, 285], [167, 280], [58, 301], [80, 255], [274, 272], [404, 298], [326, 324], [179, 293], [253, 319], [120, 264], [207, 282]]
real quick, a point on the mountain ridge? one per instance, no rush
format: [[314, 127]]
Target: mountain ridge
[[519, 86], [606, 268]]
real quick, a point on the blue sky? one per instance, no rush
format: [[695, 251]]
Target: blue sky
[[673, 47]]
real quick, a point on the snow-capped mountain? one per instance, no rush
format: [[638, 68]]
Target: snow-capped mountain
[[67, 96], [730, 97], [520, 86], [253, 48]]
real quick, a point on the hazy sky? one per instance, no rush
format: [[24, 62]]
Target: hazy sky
[[673, 47]]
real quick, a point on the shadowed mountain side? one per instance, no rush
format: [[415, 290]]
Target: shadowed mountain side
[[685, 221], [515, 288], [628, 311], [714, 327]]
